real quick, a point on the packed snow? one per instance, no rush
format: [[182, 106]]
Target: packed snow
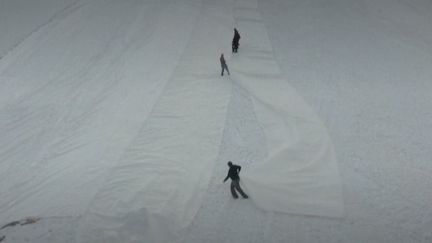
[[116, 125]]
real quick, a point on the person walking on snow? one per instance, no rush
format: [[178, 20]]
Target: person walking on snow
[[224, 65], [233, 173], [235, 41]]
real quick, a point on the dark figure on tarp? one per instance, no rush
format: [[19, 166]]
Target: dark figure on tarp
[[233, 173], [235, 41], [223, 65]]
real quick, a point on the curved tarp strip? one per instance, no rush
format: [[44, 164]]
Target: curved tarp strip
[[301, 175]]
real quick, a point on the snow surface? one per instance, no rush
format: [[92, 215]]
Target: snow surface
[[89, 102]]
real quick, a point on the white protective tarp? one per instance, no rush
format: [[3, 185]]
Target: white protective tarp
[[301, 175], [72, 101], [119, 120], [73, 96], [156, 188]]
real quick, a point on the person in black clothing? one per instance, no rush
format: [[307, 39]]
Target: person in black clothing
[[223, 65], [233, 173], [235, 41]]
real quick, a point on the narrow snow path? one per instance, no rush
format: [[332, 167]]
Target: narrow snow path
[[246, 142]]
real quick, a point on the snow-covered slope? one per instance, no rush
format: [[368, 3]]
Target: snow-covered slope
[[365, 66], [116, 125]]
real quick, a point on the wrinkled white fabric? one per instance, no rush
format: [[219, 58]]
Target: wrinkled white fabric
[[72, 101], [301, 175], [119, 120], [156, 188]]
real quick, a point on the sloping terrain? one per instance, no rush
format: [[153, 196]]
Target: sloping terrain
[[116, 124]]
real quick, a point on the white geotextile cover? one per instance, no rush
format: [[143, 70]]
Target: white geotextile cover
[[301, 175], [101, 123], [157, 187]]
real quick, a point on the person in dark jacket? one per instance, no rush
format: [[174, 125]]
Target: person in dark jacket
[[223, 65], [233, 173], [235, 41]]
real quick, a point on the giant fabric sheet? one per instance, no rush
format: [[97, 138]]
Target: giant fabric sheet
[[71, 101], [301, 174], [157, 187]]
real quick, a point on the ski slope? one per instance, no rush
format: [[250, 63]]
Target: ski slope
[[116, 124]]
